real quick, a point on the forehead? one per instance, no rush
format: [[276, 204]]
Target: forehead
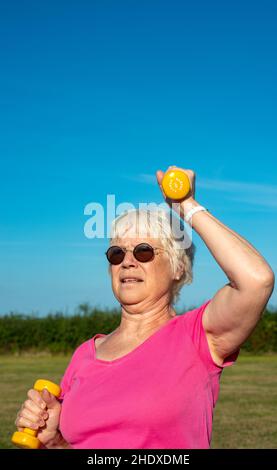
[[139, 224], [131, 242]]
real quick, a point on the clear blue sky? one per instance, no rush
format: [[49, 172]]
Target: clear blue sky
[[98, 95]]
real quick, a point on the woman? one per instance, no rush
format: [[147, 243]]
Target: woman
[[154, 381]]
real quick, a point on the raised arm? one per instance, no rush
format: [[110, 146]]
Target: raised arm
[[236, 308]]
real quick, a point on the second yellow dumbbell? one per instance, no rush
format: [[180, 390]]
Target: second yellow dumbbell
[[27, 438]]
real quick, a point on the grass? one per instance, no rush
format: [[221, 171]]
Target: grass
[[245, 415]]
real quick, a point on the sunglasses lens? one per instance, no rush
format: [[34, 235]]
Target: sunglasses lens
[[115, 255], [144, 252]]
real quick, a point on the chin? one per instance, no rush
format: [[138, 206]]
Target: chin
[[130, 298]]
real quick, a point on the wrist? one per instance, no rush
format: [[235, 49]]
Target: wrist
[[187, 205], [190, 210], [57, 442]]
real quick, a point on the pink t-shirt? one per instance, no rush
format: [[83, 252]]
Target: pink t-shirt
[[161, 395]]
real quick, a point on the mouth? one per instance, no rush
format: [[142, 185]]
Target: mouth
[[130, 280]]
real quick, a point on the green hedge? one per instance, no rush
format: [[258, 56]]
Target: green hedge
[[56, 333], [60, 333]]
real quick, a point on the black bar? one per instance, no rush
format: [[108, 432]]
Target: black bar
[[119, 458]]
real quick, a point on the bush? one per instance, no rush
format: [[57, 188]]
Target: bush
[[55, 333], [59, 333]]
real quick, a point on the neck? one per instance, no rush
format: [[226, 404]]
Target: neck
[[138, 321]]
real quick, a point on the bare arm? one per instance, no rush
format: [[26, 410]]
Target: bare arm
[[57, 443], [236, 308]]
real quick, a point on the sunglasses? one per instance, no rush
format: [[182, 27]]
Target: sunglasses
[[142, 252]]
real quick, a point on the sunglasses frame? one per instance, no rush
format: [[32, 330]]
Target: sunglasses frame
[[124, 250]]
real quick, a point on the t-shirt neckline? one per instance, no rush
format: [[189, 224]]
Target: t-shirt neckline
[[134, 351]]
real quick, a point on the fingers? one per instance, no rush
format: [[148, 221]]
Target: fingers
[[33, 412], [49, 399], [35, 396], [34, 408], [28, 419], [159, 175]]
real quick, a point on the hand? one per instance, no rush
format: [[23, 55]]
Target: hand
[[179, 205], [40, 412]]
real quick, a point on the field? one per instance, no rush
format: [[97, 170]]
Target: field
[[245, 416]]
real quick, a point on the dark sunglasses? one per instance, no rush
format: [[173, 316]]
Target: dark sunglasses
[[142, 252]]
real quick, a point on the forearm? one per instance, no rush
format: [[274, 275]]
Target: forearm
[[241, 262], [57, 443]]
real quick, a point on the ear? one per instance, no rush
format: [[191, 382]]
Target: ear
[[178, 274]]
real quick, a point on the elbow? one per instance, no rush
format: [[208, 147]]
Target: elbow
[[264, 281], [261, 281], [268, 279], [261, 273]]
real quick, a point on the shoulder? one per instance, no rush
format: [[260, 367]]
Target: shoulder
[[192, 318], [203, 341], [82, 351], [194, 327]]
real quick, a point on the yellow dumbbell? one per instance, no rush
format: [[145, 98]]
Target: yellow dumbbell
[[176, 184], [27, 438]]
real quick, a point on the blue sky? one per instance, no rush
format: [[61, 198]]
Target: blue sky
[[95, 97]]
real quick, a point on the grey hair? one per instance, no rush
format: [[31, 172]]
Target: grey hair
[[169, 229]]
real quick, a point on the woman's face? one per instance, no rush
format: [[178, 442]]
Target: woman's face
[[152, 280]]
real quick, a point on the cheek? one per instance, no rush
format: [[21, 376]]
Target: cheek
[[115, 277], [160, 276]]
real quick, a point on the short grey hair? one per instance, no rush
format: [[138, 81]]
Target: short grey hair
[[167, 228]]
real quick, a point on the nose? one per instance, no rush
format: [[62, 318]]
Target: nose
[[129, 260]]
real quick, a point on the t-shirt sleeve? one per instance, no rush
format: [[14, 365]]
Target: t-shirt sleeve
[[194, 328]]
